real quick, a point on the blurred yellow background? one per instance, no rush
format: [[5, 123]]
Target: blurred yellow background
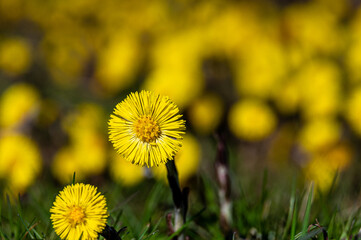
[[283, 75]]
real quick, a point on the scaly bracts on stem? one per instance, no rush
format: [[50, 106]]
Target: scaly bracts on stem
[[224, 191]]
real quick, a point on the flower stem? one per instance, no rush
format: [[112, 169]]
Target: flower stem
[[180, 198], [110, 233], [224, 189]]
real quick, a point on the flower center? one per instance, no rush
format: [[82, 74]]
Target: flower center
[[146, 129], [76, 215]]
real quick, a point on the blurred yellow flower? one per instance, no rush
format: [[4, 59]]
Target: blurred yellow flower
[[352, 58], [353, 62], [318, 134], [125, 173], [353, 110], [146, 128], [287, 96], [230, 27], [18, 103], [323, 167], [319, 84], [90, 152], [79, 212], [15, 56], [319, 171], [188, 83], [177, 62], [65, 164], [86, 117], [65, 56], [86, 156], [304, 21], [18, 169], [251, 119], [86, 152], [117, 62], [11, 10], [205, 113], [49, 112], [187, 161], [260, 68]]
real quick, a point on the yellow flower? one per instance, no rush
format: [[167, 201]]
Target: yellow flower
[[18, 103], [320, 171], [117, 63], [86, 152], [146, 129], [303, 23], [323, 167], [18, 168], [85, 155], [65, 56], [65, 164], [125, 173], [209, 105], [183, 64], [259, 70], [320, 89], [352, 110], [352, 58], [319, 133], [15, 56], [79, 212], [251, 120], [287, 97]]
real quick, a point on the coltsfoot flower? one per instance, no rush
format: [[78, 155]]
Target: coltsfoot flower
[[79, 212], [146, 128]]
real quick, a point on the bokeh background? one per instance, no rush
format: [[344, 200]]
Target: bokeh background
[[281, 80]]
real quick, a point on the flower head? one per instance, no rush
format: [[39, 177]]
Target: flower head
[[79, 212], [18, 169], [146, 128], [18, 103], [251, 119]]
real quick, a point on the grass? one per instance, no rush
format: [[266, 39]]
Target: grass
[[265, 205], [308, 214]]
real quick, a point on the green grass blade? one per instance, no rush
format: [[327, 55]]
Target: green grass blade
[[26, 227], [154, 231], [185, 225], [306, 217], [314, 232], [331, 226], [74, 178], [19, 210], [154, 198], [294, 222], [290, 210], [32, 228], [117, 218], [3, 235], [10, 215], [346, 229], [146, 228]]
